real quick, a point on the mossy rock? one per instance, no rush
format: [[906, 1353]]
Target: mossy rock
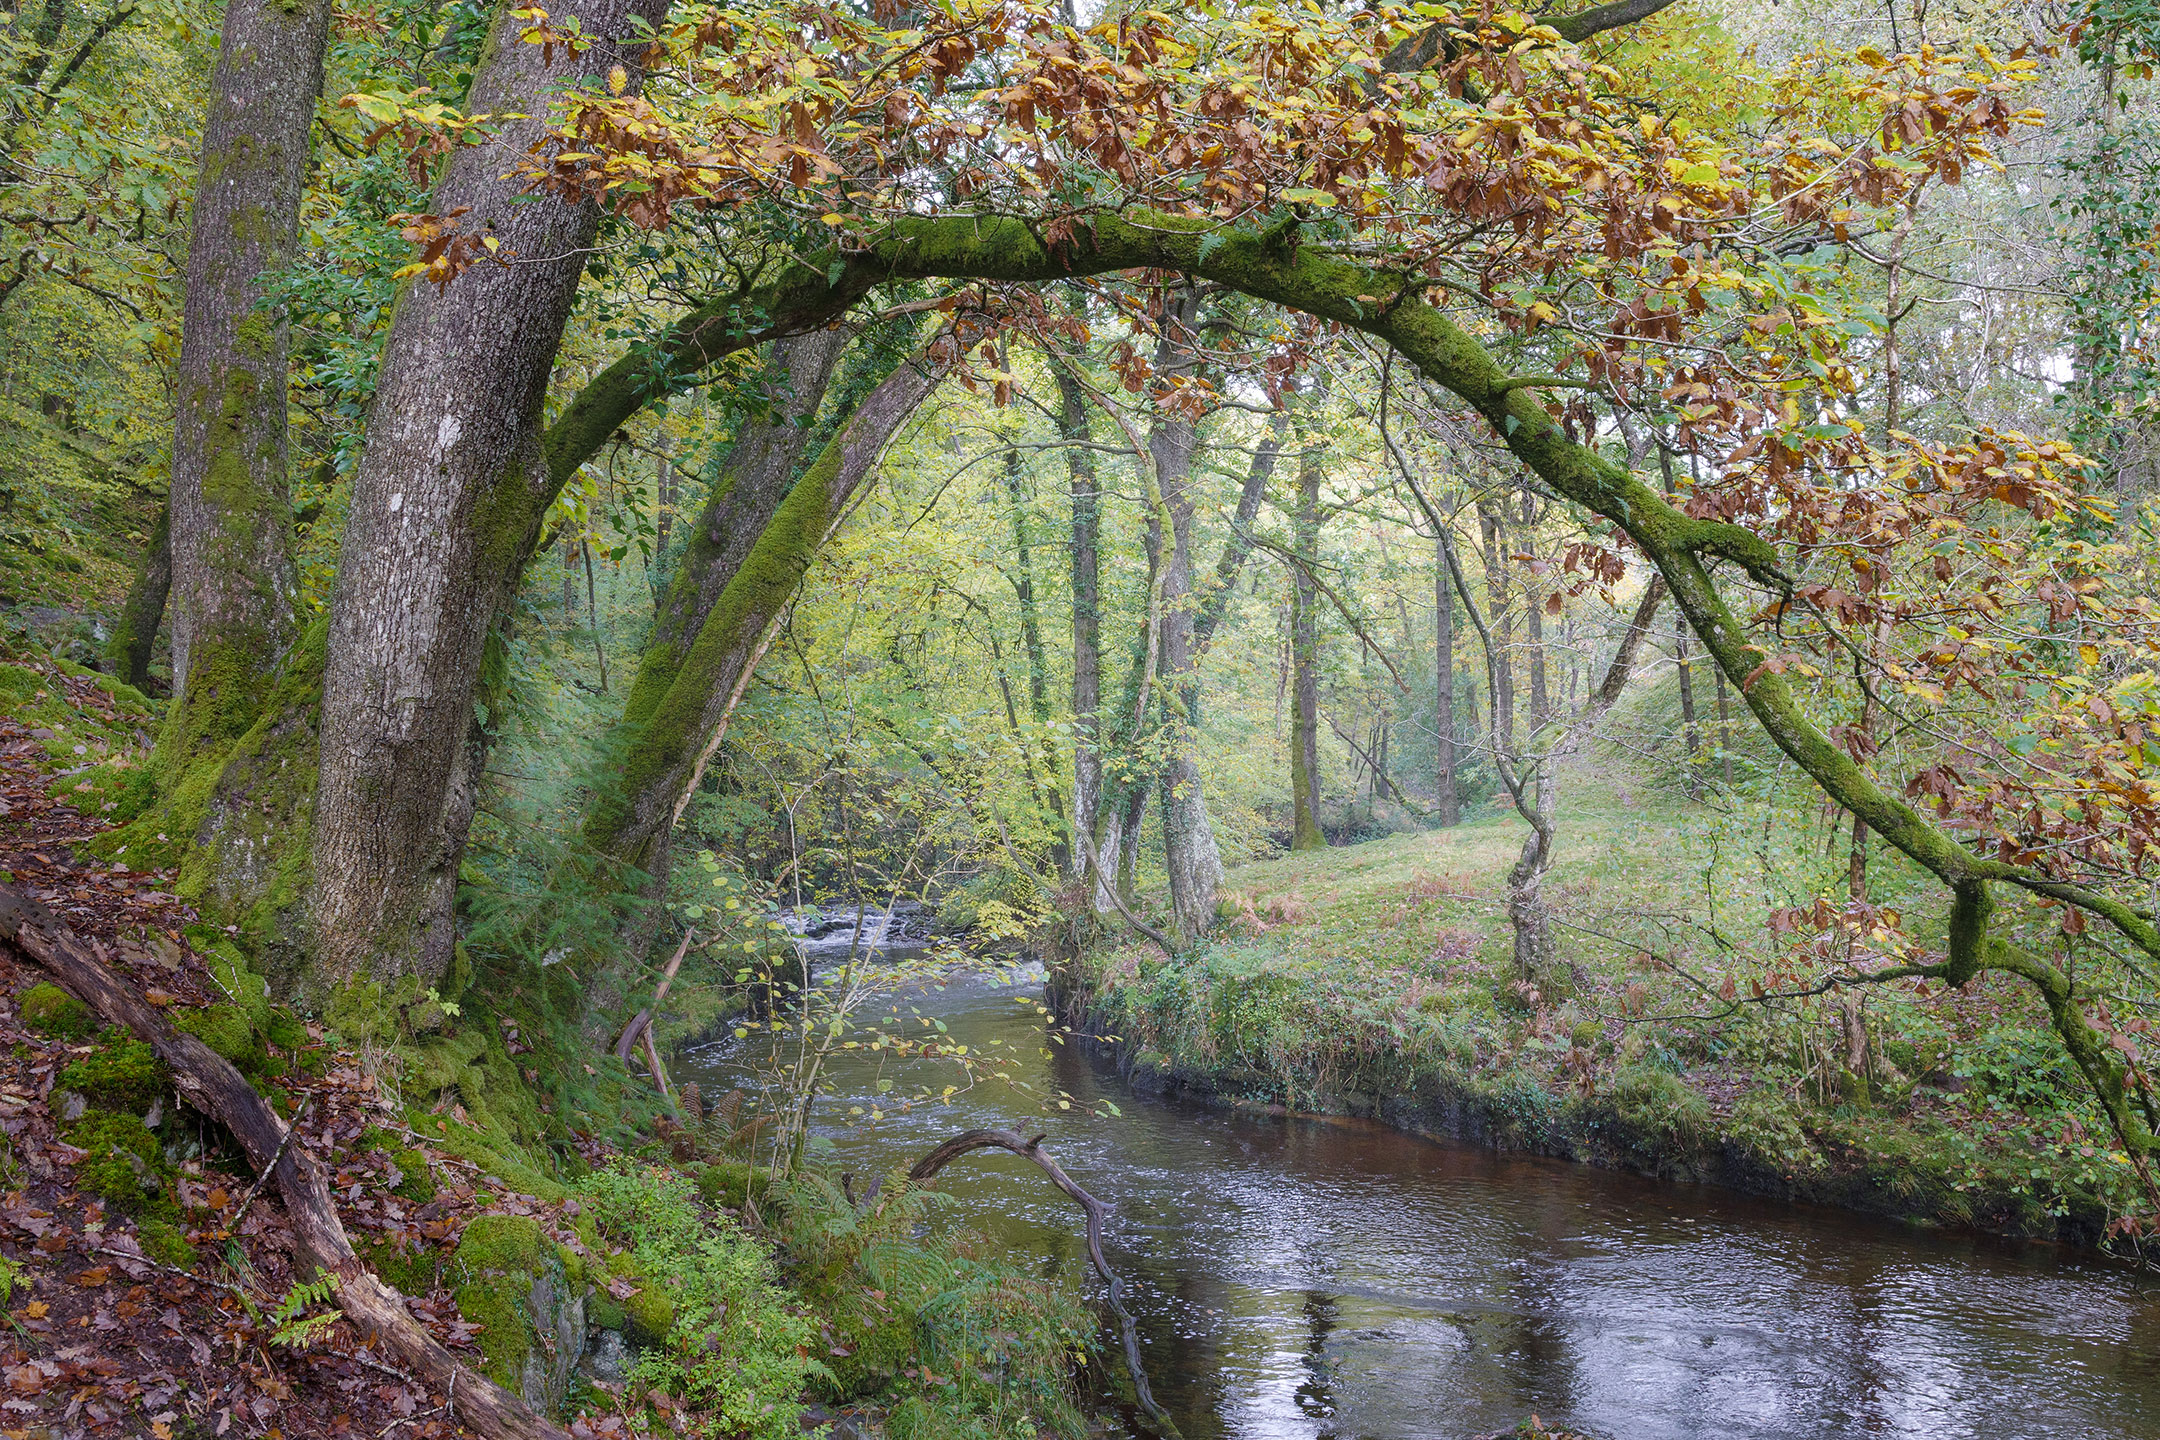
[[125, 1166], [413, 1268], [415, 1181], [124, 1075], [729, 1183], [285, 1030], [647, 1316], [528, 1295], [50, 1011]]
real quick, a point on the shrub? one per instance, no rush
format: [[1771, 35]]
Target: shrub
[[738, 1347]]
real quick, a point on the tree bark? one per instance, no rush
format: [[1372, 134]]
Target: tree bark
[[1536, 955], [1444, 690], [1305, 832], [760, 468], [446, 506], [682, 724], [1501, 703], [1023, 583], [1086, 493], [134, 632], [233, 576]]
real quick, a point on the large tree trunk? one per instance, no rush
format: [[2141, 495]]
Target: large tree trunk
[[446, 507], [1444, 691], [1189, 855], [1501, 703], [1305, 832], [233, 577], [134, 633], [761, 466], [682, 724]]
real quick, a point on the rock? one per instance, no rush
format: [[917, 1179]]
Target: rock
[[607, 1358], [529, 1295]]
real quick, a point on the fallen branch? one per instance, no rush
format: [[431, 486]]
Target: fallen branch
[[645, 1017], [968, 1140], [212, 1086]]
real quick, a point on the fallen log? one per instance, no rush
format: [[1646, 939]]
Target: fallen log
[[212, 1086], [1097, 1212]]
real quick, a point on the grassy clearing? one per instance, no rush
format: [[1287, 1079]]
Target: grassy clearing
[[1376, 978]]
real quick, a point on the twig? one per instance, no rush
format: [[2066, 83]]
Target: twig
[[277, 1155]]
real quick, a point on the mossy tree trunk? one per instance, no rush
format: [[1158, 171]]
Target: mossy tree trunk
[[761, 464], [679, 724], [1537, 799], [1086, 494], [134, 633], [1041, 746], [446, 508], [232, 572]]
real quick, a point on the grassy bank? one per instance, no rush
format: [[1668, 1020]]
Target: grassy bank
[[1375, 979]]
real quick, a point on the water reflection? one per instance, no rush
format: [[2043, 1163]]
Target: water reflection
[[1305, 1280]]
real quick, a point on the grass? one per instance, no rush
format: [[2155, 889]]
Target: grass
[[1377, 978]]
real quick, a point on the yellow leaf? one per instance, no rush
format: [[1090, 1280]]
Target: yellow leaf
[[2089, 654], [618, 79]]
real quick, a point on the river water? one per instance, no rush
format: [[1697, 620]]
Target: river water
[[1297, 1279]]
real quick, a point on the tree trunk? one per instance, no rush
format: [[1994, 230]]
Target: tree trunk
[[233, 576], [1023, 584], [663, 508], [134, 633], [446, 506], [1189, 853], [1536, 954], [760, 468], [680, 726], [1688, 726], [1305, 832], [1086, 492], [1444, 692], [1502, 701]]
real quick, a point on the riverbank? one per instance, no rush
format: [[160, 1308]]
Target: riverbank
[[1374, 981]]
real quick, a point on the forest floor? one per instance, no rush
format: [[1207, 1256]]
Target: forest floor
[[146, 1277], [1377, 979]]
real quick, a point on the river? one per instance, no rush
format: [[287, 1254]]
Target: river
[[1297, 1279]]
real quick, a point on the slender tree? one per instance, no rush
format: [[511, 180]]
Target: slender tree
[[232, 574]]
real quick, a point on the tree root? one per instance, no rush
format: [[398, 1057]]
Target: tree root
[[211, 1085], [1012, 1140]]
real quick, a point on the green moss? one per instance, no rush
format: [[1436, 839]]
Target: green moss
[[48, 1010], [166, 1243], [285, 1030], [124, 1075], [125, 1165], [647, 1316], [225, 1029], [492, 1273], [728, 1182], [412, 1268]]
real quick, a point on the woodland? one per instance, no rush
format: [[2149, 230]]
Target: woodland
[[1597, 563]]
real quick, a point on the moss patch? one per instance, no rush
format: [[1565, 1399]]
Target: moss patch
[[50, 1011], [124, 1075]]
